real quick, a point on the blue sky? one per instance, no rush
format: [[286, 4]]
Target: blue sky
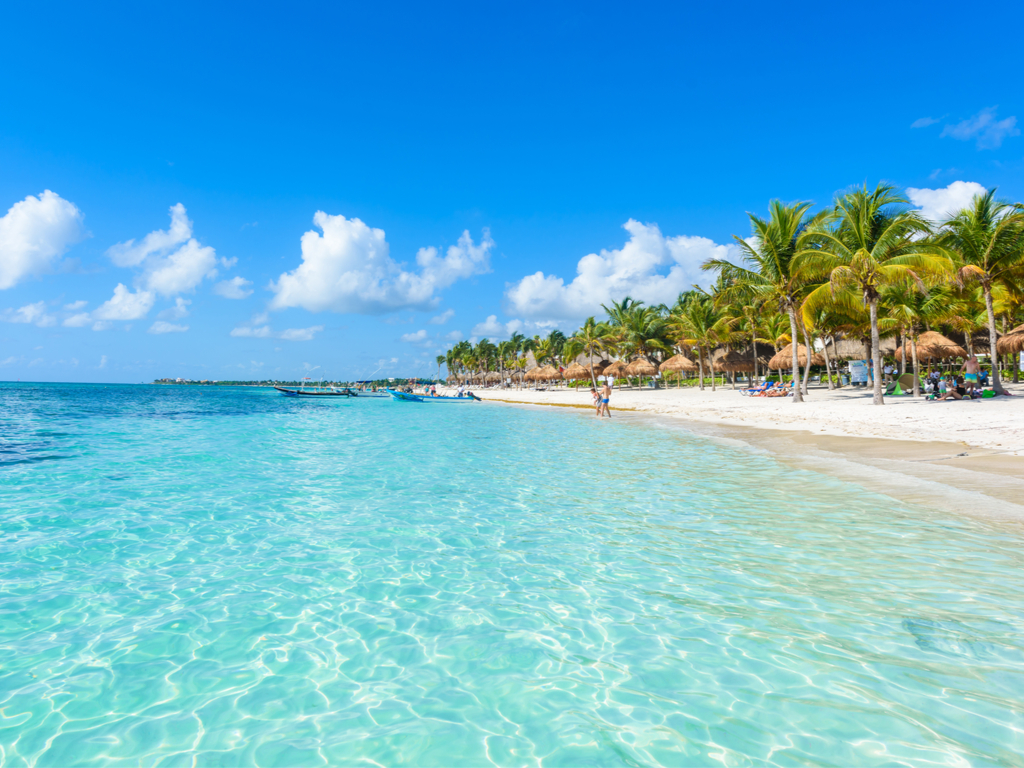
[[503, 150]]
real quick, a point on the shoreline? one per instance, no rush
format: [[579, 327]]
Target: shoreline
[[959, 475]]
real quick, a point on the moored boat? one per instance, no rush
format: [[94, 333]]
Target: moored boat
[[406, 397]]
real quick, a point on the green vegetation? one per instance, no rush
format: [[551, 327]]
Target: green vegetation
[[867, 268]]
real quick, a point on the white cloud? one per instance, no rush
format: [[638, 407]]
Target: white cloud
[[172, 260], [78, 321], [348, 269], [264, 332], [30, 313], [178, 311], [937, 205], [34, 233], [415, 338], [9, 360], [235, 288], [924, 122], [443, 318], [162, 326], [638, 269], [103, 361], [75, 305], [489, 327], [983, 127], [454, 336], [125, 305], [159, 242]]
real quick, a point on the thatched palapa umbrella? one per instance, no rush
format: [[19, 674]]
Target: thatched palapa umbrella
[[1012, 342], [732, 361], [577, 372], [533, 374], [784, 360], [549, 373], [641, 367], [933, 346], [678, 364], [856, 349], [616, 369]]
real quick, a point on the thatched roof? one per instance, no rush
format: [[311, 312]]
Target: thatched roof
[[932, 346], [1011, 342], [618, 368], [784, 360], [641, 367], [534, 374], [731, 360], [857, 349], [577, 372], [549, 373], [678, 364]]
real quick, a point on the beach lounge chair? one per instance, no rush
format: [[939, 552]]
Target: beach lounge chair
[[757, 390]]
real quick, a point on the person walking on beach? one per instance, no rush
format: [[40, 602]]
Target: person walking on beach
[[596, 398], [970, 370], [606, 395]]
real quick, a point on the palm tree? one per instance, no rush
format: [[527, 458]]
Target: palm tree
[[696, 322], [869, 240], [914, 311], [987, 238], [591, 339], [440, 360], [768, 265]]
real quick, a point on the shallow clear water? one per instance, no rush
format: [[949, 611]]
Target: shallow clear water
[[210, 576]]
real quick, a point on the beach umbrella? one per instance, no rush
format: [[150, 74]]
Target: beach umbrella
[[577, 372], [550, 373], [932, 346], [641, 367], [784, 360], [678, 364], [1012, 342], [492, 377], [532, 375], [734, 362], [616, 369]]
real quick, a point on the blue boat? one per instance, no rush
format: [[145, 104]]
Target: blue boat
[[405, 397]]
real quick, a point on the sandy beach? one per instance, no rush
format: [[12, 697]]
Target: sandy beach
[[996, 424]]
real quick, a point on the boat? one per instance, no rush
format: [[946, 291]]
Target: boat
[[406, 397], [364, 393], [318, 390]]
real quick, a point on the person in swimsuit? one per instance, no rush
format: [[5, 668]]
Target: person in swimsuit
[[970, 369], [596, 398], [606, 395]]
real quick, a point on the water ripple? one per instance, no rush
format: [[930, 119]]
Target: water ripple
[[227, 577]]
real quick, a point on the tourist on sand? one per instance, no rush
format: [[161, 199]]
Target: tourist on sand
[[957, 392], [606, 395], [889, 369], [970, 369], [596, 398]]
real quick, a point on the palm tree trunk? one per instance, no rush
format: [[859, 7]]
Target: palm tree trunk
[[753, 343], [700, 367], [997, 385], [917, 365], [807, 368], [876, 352], [828, 368], [797, 396], [711, 366]]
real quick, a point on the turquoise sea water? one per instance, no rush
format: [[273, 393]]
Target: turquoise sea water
[[203, 576]]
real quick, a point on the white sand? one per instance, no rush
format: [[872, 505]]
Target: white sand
[[996, 423]]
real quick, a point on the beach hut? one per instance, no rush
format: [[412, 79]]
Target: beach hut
[[532, 375], [784, 360], [932, 346]]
